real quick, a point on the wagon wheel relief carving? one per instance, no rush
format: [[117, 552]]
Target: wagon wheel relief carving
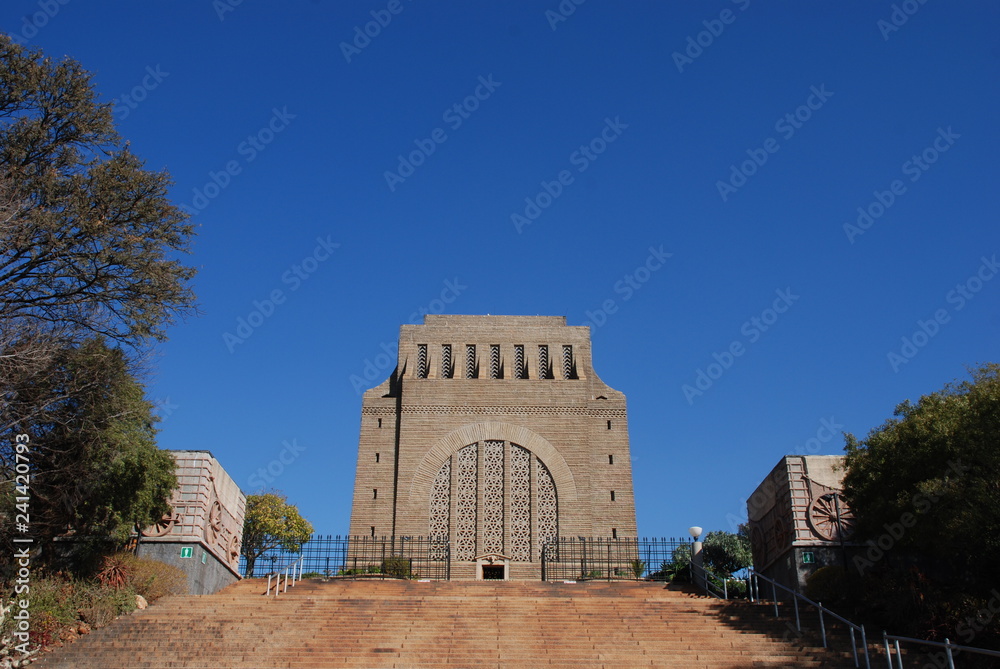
[[214, 528], [234, 550], [162, 528], [782, 536], [823, 514]]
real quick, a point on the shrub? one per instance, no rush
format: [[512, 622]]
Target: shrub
[[115, 570], [153, 579], [59, 602], [737, 588], [150, 578], [827, 584], [396, 566], [638, 567]]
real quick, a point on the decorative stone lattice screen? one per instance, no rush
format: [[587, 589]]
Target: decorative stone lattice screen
[[495, 496]]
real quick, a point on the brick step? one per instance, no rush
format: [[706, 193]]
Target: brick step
[[377, 624]]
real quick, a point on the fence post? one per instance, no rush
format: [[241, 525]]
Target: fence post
[[609, 560], [947, 649]]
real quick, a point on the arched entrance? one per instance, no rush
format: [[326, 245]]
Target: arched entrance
[[494, 497]]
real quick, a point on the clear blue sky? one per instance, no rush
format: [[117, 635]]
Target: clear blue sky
[[833, 109]]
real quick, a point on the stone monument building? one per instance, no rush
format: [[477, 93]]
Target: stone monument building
[[495, 435], [799, 520], [203, 532]]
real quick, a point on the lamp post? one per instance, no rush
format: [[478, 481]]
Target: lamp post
[[696, 558]]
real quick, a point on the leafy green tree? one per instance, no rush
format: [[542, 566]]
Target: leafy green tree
[[89, 246], [271, 522], [930, 475], [924, 489], [96, 470], [87, 236], [725, 553]]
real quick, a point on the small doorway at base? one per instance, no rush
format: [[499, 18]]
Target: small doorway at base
[[492, 567], [493, 572]]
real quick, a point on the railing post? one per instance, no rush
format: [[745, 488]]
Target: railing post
[[822, 626], [725, 588], [947, 650], [774, 598], [899, 656], [798, 625], [854, 647], [888, 651], [864, 642]]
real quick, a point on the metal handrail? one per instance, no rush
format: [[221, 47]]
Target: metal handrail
[[705, 574], [293, 571], [753, 588], [947, 645]]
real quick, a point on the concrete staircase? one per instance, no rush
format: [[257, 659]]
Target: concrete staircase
[[446, 625]]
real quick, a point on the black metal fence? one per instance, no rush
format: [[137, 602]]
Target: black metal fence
[[363, 557], [563, 559], [598, 558]]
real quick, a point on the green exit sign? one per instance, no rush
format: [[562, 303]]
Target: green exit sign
[[187, 551], [808, 558]]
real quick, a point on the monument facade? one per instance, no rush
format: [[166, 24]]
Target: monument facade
[[493, 435]]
